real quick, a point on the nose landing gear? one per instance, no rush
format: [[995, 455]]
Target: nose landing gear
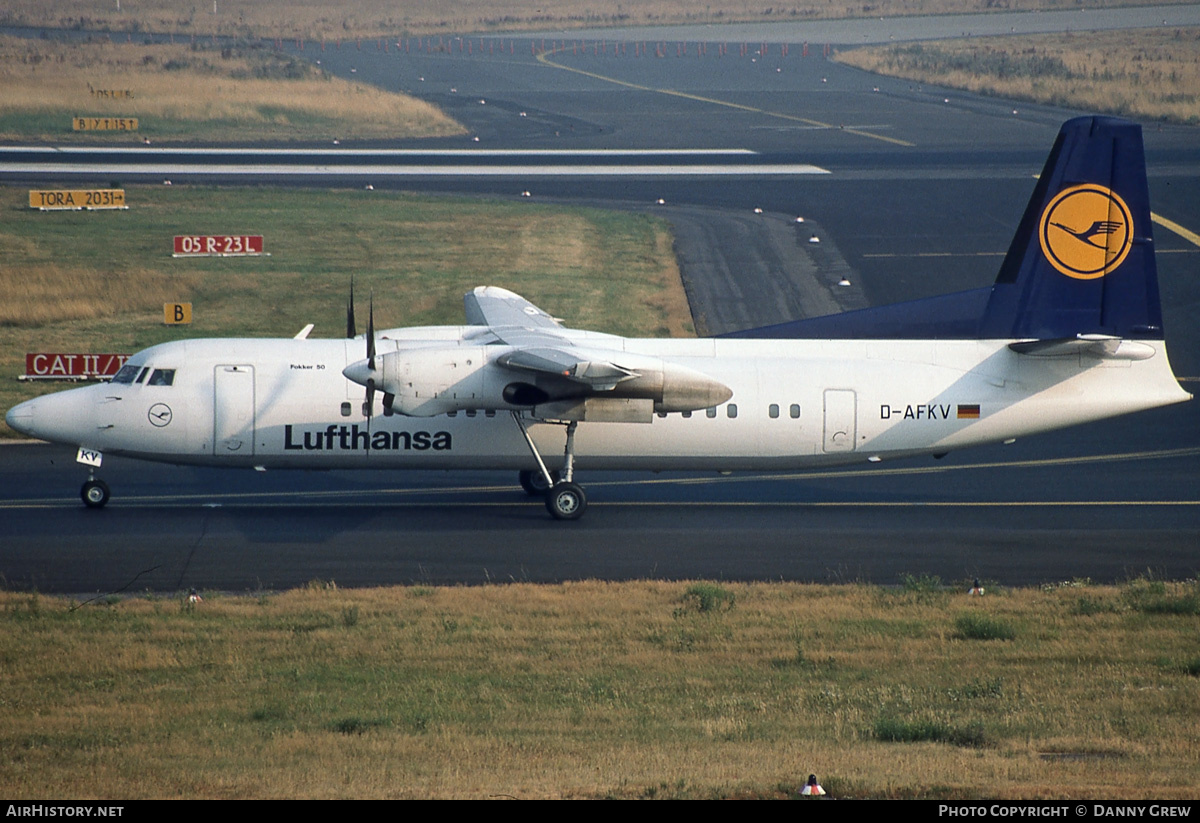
[[94, 493]]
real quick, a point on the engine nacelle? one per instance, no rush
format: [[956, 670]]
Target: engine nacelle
[[427, 382], [424, 382]]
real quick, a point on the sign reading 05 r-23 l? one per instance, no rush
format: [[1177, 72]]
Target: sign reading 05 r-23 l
[[218, 245]]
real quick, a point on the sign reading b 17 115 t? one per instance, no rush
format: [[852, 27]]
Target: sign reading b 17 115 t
[[104, 123], [218, 245], [56, 199], [72, 366]]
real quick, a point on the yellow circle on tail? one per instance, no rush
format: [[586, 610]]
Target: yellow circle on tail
[[1086, 231]]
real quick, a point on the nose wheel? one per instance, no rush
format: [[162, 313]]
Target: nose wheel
[[94, 493]]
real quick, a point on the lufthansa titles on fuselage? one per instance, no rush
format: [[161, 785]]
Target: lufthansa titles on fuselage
[[352, 438]]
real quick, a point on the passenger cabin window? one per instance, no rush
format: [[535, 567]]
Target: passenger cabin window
[[795, 411], [731, 410], [686, 414], [773, 410], [711, 411], [346, 409], [126, 374], [162, 377]]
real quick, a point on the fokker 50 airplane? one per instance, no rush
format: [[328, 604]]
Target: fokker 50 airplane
[[1071, 331]]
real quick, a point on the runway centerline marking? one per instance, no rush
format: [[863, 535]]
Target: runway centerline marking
[[544, 60]]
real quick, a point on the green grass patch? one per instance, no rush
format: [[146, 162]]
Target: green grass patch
[[708, 597], [1087, 606], [975, 626], [96, 281], [1159, 597]]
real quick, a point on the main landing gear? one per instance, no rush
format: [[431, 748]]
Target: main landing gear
[[565, 499]]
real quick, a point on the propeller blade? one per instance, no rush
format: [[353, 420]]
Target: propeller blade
[[369, 402], [351, 326], [371, 334]]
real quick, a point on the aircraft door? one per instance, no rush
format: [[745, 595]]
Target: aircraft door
[[233, 410], [841, 418]]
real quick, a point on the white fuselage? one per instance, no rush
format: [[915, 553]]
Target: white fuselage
[[284, 403]]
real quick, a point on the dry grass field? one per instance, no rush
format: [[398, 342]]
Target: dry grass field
[[366, 18], [1150, 73], [206, 94], [593, 689]]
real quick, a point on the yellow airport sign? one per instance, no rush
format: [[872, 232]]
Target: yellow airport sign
[[177, 314], [57, 199], [104, 123]]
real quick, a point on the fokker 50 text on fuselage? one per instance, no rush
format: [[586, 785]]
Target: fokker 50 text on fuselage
[[1071, 331]]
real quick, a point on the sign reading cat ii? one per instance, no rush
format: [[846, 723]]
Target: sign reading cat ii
[[59, 199], [71, 365], [104, 123]]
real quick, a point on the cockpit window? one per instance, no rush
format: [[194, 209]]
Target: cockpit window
[[141, 378], [126, 374], [161, 377]]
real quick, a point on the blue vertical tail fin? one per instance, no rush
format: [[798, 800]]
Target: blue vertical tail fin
[[1082, 260]]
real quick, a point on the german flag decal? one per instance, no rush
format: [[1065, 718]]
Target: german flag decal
[[968, 411]]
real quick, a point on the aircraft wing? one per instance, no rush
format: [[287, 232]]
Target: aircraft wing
[[537, 348], [591, 368], [496, 307]]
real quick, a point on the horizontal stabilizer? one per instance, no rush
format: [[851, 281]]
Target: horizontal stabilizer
[[1101, 346]]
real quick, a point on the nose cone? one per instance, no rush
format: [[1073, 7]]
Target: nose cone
[[361, 372], [65, 417], [20, 417]]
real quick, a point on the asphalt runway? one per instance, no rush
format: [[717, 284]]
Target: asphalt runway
[[924, 191]]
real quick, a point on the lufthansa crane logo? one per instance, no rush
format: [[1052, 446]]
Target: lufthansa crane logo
[[1086, 231], [159, 415]]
